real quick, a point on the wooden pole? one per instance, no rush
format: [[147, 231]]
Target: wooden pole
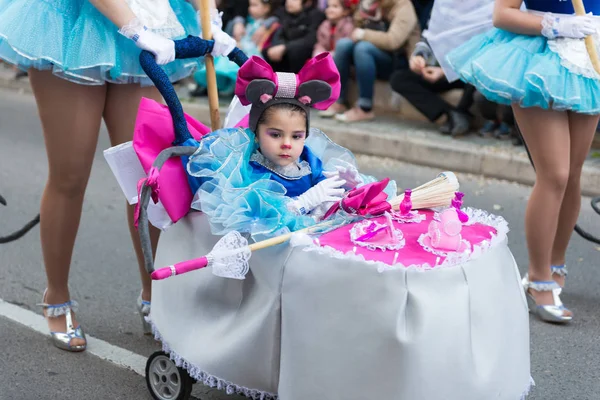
[[209, 62], [589, 41]]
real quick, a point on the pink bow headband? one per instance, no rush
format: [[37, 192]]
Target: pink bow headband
[[316, 85]]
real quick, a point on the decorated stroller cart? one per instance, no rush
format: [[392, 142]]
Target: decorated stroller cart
[[394, 304]]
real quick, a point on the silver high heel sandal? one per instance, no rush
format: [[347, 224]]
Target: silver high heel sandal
[[62, 340], [551, 312], [143, 307]]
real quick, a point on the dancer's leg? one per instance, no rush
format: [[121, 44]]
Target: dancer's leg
[[582, 129], [71, 115], [546, 133], [122, 102]]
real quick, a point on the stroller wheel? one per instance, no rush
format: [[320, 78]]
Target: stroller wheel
[[165, 380]]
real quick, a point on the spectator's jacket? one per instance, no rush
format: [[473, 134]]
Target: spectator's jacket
[[298, 32], [328, 34], [403, 29]]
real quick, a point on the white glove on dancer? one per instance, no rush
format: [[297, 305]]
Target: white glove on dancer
[[347, 173], [224, 44], [162, 48], [575, 27], [328, 190]]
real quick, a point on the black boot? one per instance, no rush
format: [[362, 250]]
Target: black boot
[[461, 123]]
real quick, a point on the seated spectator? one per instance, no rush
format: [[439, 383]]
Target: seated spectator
[[259, 26], [421, 86], [384, 29], [338, 25], [293, 43]]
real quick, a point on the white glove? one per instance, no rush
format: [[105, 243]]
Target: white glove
[[162, 48], [347, 173], [328, 190], [224, 44], [576, 27]]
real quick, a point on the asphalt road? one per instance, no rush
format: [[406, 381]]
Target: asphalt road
[[104, 278]]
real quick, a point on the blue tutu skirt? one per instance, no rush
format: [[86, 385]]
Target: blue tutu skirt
[[74, 40], [508, 68]]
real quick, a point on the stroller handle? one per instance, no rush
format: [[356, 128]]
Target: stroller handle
[[190, 47]]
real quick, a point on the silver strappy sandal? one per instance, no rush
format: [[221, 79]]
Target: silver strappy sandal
[[551, 312], [62, 340]]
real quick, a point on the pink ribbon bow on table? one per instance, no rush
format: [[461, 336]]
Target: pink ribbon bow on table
[[152, 181], [368, 201], [319, 68]]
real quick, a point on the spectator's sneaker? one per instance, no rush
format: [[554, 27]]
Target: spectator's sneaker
[[488, 128], [355, 114], [333, 110], [446, 127], [503, 132], [461, 123]]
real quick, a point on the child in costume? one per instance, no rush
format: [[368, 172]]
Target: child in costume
[[547, 77], [277, 173], [338, 25]]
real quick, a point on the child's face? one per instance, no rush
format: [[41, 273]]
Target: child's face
[[258, 9], [335, 11], [293, 6], [281, 137]]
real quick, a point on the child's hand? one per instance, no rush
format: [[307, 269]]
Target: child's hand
[[433, 74], [347, 173], [328, 190], [417, 64], [257, 37], [239, 30], [276, 53]]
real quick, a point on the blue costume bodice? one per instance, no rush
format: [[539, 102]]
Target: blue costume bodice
[[562, 6], [295, 186]]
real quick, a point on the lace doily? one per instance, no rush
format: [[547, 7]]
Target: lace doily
[[294, 171], [229, 258], [369, 234], [410, 218]]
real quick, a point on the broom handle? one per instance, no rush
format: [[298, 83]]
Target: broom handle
[[209, 62], [284, 238], [589, 41]]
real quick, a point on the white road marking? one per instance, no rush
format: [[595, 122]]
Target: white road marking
[[99, 348]]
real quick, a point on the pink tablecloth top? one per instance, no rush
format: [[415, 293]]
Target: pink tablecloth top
[[413, 253]]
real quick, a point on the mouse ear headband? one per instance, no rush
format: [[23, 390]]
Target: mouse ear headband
[[317, 85]]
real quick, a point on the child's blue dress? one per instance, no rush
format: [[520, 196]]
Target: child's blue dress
[[74, 40], [241, 190], [532, 71]]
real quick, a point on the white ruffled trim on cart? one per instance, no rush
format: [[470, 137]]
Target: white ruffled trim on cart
[[207, 379], [452, 260]]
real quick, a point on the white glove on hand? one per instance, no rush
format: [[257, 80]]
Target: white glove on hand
[[349, 174], [162, 48], [224, 44], [576, 27], [328, 190]]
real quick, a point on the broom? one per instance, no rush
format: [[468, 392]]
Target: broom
[[589, 41], [438, 192], [232, 262]]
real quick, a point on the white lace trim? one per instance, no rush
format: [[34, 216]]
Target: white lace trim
[[528, 389], [411, 218], [229, 258], [158, 16], [574, 55], [294, 171], [548, 22], [53, 312], [207, 379], [452, 260], [441, 253]]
